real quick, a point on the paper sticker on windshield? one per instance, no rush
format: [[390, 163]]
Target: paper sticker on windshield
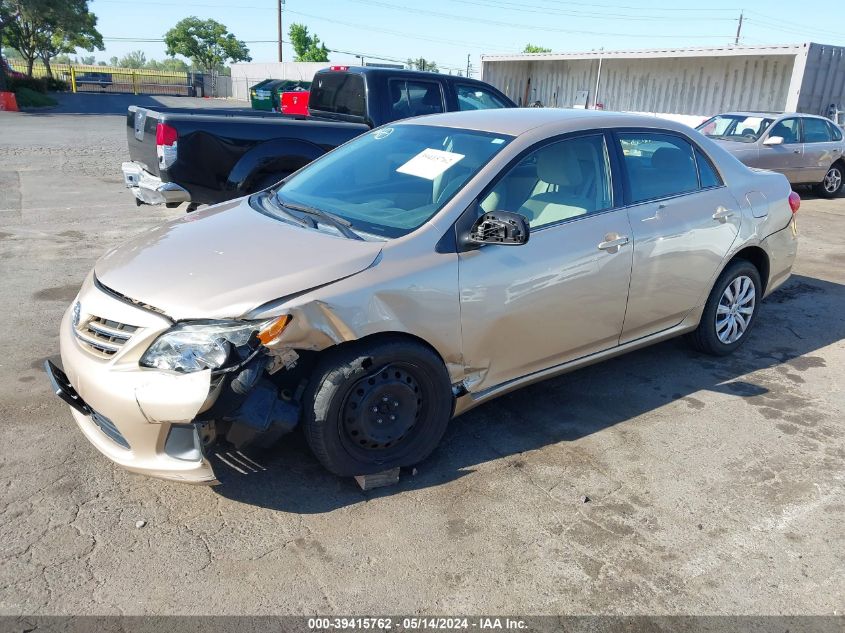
[[430, 163], [382, 133]]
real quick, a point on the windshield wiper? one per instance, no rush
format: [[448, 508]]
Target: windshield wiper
[[341, 224], [277, 208]]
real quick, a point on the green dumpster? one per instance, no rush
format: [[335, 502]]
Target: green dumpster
[[261, 95]]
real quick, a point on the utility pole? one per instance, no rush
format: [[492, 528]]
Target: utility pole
[[468, 65], [281, 2], [739, 28]]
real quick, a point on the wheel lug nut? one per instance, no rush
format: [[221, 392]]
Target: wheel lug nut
[[384, 399], [395, 403], [392, 417], [380, 420], [375, 409]]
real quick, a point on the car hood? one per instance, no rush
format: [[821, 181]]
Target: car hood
[[223, 261]]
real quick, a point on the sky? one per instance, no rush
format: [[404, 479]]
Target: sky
[[447, 31]]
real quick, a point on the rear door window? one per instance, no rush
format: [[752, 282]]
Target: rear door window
[[816, 131], [414, 98], [338, 93], [658, 165]]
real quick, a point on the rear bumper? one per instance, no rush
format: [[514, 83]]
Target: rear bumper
[[150, 189]]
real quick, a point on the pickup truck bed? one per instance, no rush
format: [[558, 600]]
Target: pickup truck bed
[[208, 156], [225, 153]]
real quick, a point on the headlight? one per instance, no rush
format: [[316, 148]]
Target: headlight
[[189, 347]]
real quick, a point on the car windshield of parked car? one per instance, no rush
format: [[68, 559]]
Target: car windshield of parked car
[[735, 127], [392, 180]]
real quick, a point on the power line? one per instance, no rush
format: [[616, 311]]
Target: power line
[[530, 27], [529, 8], [462, 44], [331, 50]]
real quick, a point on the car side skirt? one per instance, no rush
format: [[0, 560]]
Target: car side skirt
[[471, 400]]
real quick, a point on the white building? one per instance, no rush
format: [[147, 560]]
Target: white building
[[697, 82]]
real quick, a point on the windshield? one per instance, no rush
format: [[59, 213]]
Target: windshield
[[735, 127], [392, 180]]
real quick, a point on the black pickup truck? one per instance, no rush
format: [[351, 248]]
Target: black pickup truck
[[205, 156]]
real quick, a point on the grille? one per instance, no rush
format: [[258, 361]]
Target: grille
[[109, 429], [104, 337]]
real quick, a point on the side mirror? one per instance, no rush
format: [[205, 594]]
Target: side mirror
[[773, 140], [500, 227]]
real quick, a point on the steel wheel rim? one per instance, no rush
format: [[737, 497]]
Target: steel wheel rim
[[382, 410], [735, 309], [833, 180]]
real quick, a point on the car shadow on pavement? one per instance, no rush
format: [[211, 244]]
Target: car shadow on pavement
[[802, 317]]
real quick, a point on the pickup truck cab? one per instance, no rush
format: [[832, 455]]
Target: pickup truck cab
[[203, 156]]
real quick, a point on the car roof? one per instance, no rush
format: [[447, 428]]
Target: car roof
[[396, 72], [517, 121], [775, 115]]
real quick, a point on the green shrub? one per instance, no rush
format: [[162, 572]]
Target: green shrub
[[28, 98], [30, 83], [56, 85]]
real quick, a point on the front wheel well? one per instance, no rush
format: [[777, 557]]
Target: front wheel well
[[758, 257], [394, 336]]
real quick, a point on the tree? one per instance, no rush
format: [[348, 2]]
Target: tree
[[74, 26], [531, 48], [307, 47], [46, 28], [134, 59], [114, 61], [207, 43], [7, 14], [422, 64]]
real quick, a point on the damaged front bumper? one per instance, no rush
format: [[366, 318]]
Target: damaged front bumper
[[181, 456], [150, 421]]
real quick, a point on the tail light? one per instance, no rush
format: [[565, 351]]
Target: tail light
[[794, 202], [166, 150], [339, 68], [166, 134]]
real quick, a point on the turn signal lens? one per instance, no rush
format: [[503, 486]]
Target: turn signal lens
[[274, 329], [794, 202]]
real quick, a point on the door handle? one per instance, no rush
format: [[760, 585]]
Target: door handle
[[722, 214], [796, 151], [614, 243]]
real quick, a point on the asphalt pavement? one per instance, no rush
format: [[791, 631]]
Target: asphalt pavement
[[662, 482]]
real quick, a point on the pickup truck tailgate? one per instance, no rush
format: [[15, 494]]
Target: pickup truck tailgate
[[141, 137]]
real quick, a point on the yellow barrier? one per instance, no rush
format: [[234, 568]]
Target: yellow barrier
[[73, 79]]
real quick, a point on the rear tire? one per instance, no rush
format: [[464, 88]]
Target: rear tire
[[730, 311], [832, 184], [371, 407]]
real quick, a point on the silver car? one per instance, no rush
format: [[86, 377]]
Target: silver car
[[414, 273], [807, 149]]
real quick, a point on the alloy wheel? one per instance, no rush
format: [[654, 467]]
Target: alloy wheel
[[833, 180], [735, 309]]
